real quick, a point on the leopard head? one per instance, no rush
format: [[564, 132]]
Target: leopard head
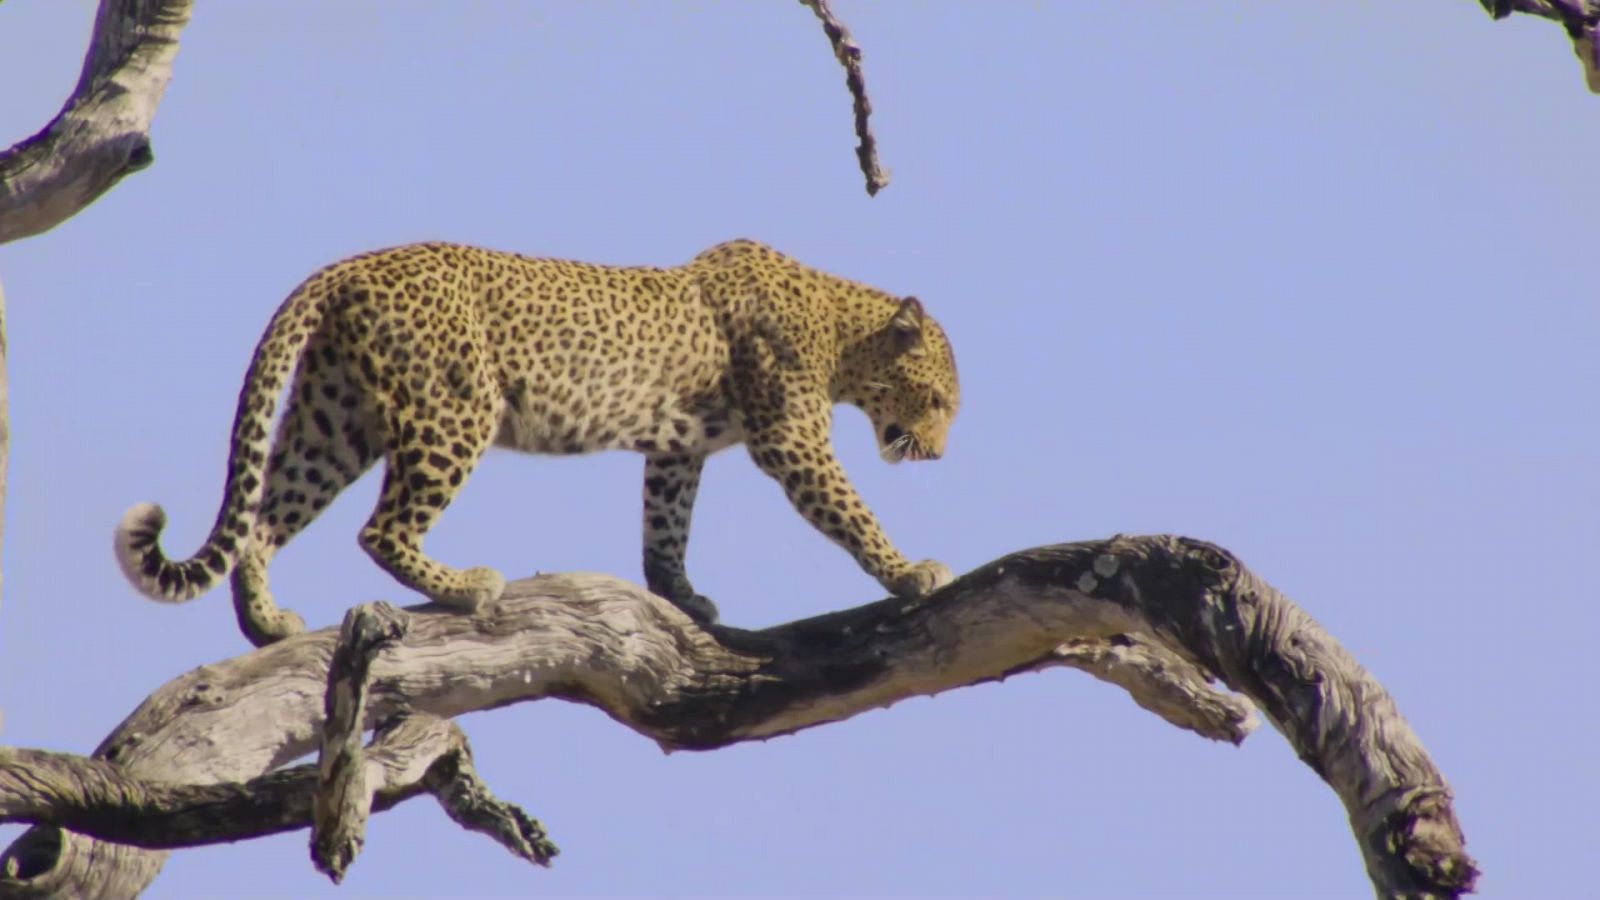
[[905, 381]]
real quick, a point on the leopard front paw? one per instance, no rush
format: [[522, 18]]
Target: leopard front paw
[[920, 579]]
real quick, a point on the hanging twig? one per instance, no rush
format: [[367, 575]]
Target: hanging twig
[[848, 52]]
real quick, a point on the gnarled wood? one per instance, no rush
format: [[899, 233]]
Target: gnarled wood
[[339, 813], [352, 782], [1580, 18], [1159, 615], [103, 131]]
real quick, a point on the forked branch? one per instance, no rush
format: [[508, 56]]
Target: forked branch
[[409, 755], [347, 775], [1158, 615]]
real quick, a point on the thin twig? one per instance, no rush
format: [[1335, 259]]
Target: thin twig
[[848, 52]]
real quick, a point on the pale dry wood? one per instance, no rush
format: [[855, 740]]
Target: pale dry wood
[[409, 755], [352, 782], [1159, 615], [103, 131], [339, 814]]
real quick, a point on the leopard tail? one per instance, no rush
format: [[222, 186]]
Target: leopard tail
[[137, 537]]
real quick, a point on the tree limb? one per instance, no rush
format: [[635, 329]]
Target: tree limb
[[1580, 18], [339, 815], [103, 131], [346, 777], [409, 755], [848, 53], [98, 798], [1159, 615]]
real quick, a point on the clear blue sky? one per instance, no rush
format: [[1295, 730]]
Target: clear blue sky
[[1313, 281]]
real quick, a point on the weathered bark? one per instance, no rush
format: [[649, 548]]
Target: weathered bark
[[339, 814], [1580, 18], [350, 781], [98, 798], [1158, 615], [103, 131]]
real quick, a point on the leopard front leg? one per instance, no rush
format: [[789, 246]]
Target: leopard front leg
[[670, 483], [802, 460]]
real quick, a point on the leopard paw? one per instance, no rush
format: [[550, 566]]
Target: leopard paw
[[699, 607], [921, 579]]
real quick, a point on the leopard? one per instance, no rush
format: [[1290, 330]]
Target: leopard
[[427, 355]]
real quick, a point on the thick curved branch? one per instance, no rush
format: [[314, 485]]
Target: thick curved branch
[[1189, 609], [103, 131], [848, 53]]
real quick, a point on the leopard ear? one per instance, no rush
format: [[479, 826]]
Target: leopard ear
[[905, 329]]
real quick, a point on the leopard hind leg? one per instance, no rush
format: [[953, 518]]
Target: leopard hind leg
[[442, 418], [324, 443], [420, 480]]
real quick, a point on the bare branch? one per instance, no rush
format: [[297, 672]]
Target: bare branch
[[340, 812], [103, 131], [1163, 683], [848, 52], [1580, 18], [1158, 615], [409, 756], [346, 776]]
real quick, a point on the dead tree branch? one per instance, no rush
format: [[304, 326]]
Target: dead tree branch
[[103, 131], [1159, 615], [1580, 18], [346, 776], [339, 815], [409, 755], [848, 53]]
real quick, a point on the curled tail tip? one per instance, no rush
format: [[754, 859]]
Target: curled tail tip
[[143, 517], [138, 550], [138, 531], [134, 540]]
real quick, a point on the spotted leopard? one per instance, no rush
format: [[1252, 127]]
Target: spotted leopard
[[427, 355]]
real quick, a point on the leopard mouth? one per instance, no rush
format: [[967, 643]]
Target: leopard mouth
[[900, 445]]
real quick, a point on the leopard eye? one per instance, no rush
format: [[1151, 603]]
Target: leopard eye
[[938, 401]]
